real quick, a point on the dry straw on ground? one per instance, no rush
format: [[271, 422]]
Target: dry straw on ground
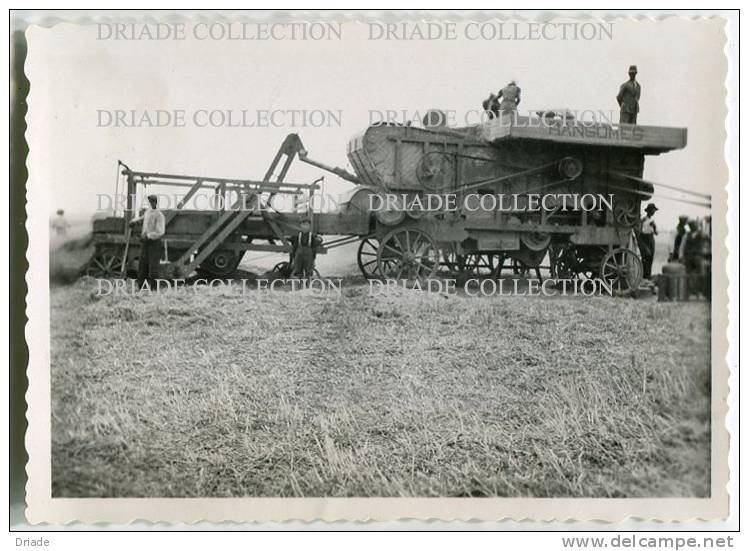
[[411, 394]]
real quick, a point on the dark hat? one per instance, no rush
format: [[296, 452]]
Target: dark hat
[[633, 68], [651, 207], [683, 218], [60, 211], [153, 197]]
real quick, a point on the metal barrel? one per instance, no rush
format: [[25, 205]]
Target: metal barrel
[[673, 283]]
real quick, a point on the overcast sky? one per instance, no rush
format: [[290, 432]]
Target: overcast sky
[[73, 74]]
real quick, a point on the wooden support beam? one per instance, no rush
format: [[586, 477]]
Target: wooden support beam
[[223, 219], [214, 243], [207, 180], [170, 216]]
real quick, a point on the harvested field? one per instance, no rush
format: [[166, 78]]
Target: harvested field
[[409, 394]]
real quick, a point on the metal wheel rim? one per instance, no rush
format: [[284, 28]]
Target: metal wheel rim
[[366, 257], [282, 268], [407, 253], [105, 264], [624, 268]]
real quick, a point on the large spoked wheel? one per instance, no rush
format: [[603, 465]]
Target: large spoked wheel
[[366, 257], [106, 262], [623, 269], [408, 253]]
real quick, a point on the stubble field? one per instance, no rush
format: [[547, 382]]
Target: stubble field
[[409, 394]]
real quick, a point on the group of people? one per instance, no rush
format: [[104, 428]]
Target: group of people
[[628, 98], [691, 244], [687, 246], [304, 245], [506, 100]]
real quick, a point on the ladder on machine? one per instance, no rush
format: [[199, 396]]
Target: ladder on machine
[[228, 221]]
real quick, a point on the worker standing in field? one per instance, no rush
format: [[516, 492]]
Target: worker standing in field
[[646, 240], [304, 245], [692, 248], [60, 224], [628, 98], [154, 226], [695, 251], [509, 97], [681, 231]]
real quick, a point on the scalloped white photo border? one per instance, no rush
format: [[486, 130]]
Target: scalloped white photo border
[[42, 508]]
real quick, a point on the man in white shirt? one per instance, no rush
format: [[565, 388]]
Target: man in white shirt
[[59, 224], [646, 240], [154, 226]]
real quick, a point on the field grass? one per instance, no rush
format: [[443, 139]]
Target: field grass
[[410, 394]]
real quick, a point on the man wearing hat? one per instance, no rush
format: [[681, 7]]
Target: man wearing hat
[[646, 240], [154, 226], [629, 98], [696, 255], [509, 97], [304, 245], [681, 231], [59, 224]]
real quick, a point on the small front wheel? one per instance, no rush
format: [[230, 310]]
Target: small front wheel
[[366, 257]]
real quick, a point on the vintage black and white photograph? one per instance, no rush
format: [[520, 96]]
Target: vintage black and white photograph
[[476, 257]]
